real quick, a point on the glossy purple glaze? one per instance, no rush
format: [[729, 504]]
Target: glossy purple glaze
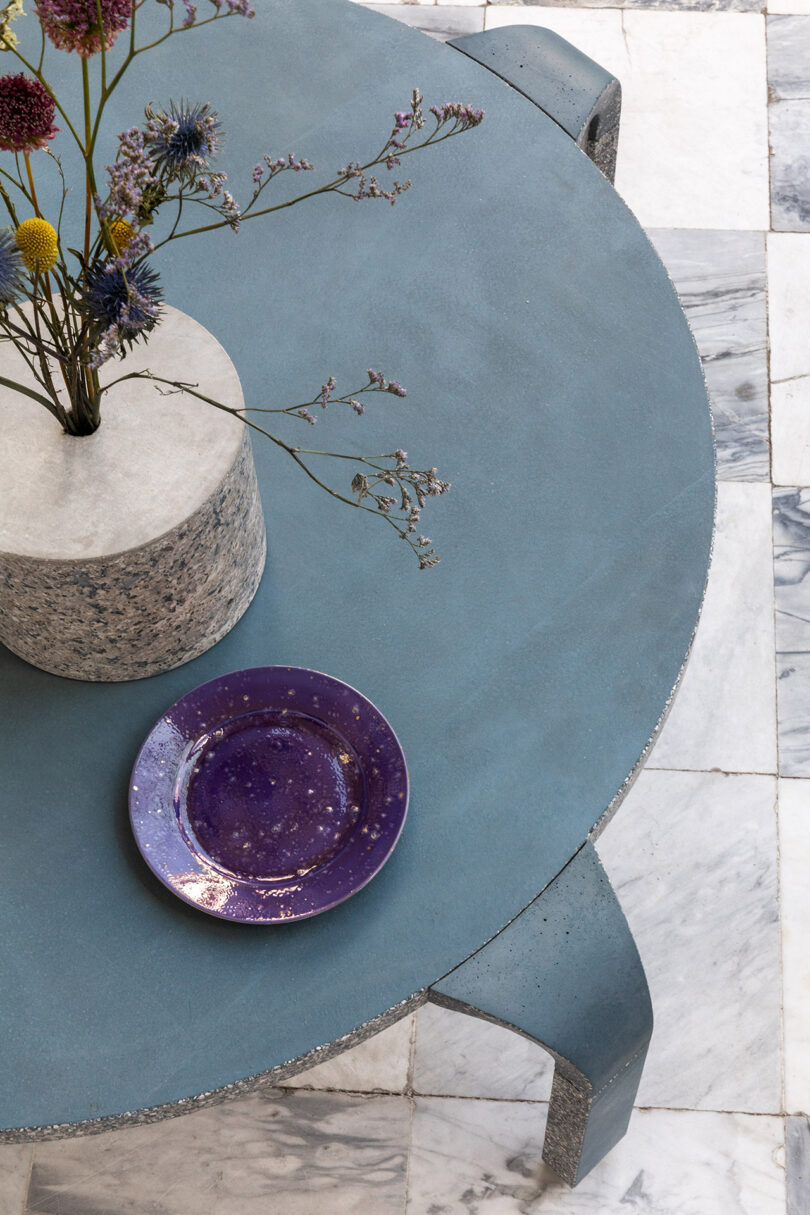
[[269, 794]]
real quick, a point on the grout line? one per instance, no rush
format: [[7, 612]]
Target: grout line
[[710, 771], [27, 1190], [670, 1109], [779, 953], [409, 1153], [411, 1052]]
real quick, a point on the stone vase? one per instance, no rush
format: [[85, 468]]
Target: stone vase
[[133, 550]]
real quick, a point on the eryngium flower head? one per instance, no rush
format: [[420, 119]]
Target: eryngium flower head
[[129, 303], [26, 114], [12, 280], [184, 140], [73, 25]]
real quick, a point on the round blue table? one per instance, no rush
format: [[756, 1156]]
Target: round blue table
[[552, 378]]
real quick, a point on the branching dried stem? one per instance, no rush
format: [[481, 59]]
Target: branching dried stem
[[109, 298]]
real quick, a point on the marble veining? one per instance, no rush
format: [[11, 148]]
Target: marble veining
[[797, 1153], [692, 857], [788, 58], [791, 532], [483, 1158], [287, 1153], [794, 838], [720, 280], [790, 167], [724, 714]]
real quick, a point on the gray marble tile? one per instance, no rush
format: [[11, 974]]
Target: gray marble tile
[[15, 1167], [293, 1153], [724, 715], [790, 165], [791, 538], [788, 58], [693, 859], [380, 1064], [797, 1152], [441, 22], [483, 1158], [720, 279], [462, 1056]]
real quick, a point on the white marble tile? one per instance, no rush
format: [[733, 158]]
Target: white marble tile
[[379, 1064], [720, 279], [789, 6], [693, 148], [462, 1056], [797, 1153], [745, 6], [724, 714], [441, 22], [483, 1158], [794, 839], [15, 1167], [789, 303], [693, 859], [791, 534], [289, 1154], [790, 431]]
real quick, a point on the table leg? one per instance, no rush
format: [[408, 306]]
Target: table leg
[[580, 95], [566, 973]]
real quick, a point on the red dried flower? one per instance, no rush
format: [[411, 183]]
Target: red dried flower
[[73, 25], [26, 114]]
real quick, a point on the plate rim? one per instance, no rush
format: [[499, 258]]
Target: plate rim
[[203, 861]]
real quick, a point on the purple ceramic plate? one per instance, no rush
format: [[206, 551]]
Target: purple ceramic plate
[[269, 794]]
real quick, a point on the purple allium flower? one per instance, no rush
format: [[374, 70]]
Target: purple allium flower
[[127, 304], [184, 140], [12, 281], [73, 25], [26, 114]]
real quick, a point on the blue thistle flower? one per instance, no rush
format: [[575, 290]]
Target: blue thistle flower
[[129, 303], [185, 139], [12, 271]]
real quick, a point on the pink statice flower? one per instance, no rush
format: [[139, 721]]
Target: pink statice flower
[[73, 25], [26, 114]]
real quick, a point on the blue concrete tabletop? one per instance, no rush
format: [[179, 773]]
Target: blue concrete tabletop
[[552, 378]]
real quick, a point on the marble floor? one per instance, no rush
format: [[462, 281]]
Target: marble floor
[[710, 853]]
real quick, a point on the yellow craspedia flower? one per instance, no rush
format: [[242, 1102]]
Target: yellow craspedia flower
[[122, 233], [37, 242]]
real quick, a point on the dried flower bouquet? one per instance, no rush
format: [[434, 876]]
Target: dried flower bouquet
[[69, 311]]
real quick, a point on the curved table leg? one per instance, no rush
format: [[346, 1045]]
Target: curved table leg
[[566, 973], [581, 97]]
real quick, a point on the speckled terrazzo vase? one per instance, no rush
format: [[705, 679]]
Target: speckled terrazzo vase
[[135, 549]]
